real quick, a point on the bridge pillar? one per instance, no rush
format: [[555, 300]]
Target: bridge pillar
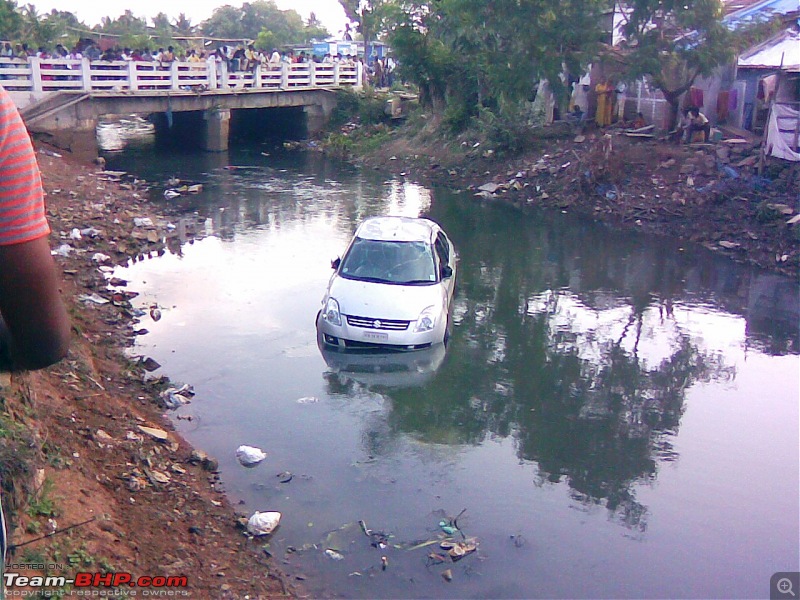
[[218, 126], [318, 115]]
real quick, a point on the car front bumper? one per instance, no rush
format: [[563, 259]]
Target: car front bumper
[[352, 336]]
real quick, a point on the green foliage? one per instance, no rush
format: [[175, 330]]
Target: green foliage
[[126, 24], [366, 108], [457, 117], [371, 110], [140, 41], [475, 57], [314, 29], [338, 144], [33, 556], [506, 135], [346, 108], [263, 21], [42, 503], [10, 20]]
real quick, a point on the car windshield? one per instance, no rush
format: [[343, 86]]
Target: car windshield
[[389, 262]]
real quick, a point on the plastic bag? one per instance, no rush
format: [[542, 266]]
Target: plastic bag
[[250, 456], [263, 523]]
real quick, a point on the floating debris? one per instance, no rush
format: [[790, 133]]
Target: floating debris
[[307, 400], [458, 550], [334, 554], [263, 523], [93, 298], [250, 456]]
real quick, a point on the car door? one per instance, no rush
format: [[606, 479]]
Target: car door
[[446, 256]]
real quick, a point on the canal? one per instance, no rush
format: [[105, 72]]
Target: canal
[[615, 415]]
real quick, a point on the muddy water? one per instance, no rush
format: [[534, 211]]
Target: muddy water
[[615, 415]]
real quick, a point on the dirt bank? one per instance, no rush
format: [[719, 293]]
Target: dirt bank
[[87, 441], [710, 194]]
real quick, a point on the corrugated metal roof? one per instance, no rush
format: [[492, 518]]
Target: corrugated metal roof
[[782, 48], [744, 10]]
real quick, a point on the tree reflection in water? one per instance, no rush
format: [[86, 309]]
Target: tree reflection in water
[[579, 348]]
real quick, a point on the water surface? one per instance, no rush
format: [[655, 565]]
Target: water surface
[[615, 415]]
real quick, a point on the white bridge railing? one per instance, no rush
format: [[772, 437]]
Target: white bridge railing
[[39, 75]]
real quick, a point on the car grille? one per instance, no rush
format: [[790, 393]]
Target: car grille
[[379, 324]]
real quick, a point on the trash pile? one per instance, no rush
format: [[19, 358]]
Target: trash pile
[[708, 192]]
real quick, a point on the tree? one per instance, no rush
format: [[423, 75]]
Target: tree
[[183, 26], [125, 24], [162, 30], [224, 22], [253, 18], [674, 42], [314, 29], [10, 20], [492, 54]]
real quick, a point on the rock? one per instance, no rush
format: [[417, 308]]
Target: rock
[[155, 433], [149, 364], [102, 435], [198, 457], [158, 478]]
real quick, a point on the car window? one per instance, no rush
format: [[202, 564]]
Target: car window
[[389, 262], [442, 250]]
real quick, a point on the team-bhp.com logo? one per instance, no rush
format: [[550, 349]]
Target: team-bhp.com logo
[[96, 580]]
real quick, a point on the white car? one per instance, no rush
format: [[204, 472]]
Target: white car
[[392, 289]]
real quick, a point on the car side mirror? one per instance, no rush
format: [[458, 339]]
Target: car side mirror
[[447, 271], [336, 262]]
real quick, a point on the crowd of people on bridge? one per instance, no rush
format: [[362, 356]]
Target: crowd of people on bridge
[[238, 57]]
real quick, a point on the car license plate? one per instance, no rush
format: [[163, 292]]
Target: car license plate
[[376, 336]]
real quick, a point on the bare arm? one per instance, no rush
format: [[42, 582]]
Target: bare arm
[[34, 322]]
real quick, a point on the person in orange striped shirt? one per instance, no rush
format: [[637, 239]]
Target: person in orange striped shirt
[[34, 327]]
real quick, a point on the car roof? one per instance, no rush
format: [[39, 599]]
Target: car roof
[[397, 229]]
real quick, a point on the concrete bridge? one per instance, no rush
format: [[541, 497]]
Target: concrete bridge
[[65, 97]]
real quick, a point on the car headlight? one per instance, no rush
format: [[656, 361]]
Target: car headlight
[[426, 320], [331, 313]]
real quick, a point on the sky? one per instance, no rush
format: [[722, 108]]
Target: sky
[[329, 12]]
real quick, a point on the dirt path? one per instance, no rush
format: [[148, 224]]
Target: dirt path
[[87, 441]]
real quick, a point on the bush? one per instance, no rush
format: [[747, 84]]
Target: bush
[[456, 118], [505, 134], [350, 106]]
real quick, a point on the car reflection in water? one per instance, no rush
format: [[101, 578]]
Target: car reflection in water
[[381, 368]]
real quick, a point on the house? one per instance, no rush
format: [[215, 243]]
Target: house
[[729, 96], [770, 73]]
